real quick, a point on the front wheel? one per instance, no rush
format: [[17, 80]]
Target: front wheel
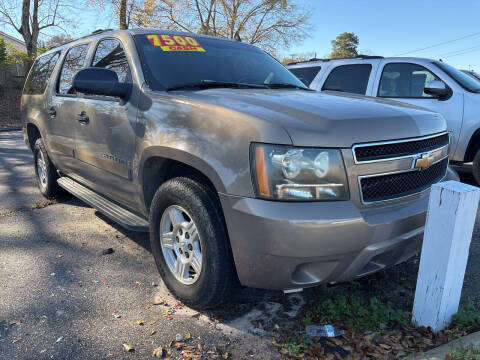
[[190, 244]]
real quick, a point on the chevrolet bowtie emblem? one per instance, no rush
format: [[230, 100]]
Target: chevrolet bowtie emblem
[[424, 162]]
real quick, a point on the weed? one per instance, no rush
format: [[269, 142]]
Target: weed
[[467, 317], [298, 344], [465, 352], [355, 313]]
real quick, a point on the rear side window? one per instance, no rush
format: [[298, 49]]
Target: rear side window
[[349, 78], [74, 61], [404, 80], [306, 74], [41, 70], [110, 55]]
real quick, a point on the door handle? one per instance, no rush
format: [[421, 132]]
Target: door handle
[[82, 118], [52, 112]]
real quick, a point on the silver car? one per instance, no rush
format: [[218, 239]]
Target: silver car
[[240, 173], [423, 82]]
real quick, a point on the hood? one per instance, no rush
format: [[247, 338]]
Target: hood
[[326, 119]]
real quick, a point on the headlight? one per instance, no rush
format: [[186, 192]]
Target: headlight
[[290, 173]]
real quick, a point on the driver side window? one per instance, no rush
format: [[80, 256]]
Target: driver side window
[[110, 55], [404, 80]]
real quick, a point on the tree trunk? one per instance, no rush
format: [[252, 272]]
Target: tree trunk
[[123, 15]]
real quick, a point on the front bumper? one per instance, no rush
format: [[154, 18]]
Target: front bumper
[[287, 245]]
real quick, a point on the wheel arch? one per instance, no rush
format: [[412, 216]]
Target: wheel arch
[[473, 146], [159, 164], [33, 134]]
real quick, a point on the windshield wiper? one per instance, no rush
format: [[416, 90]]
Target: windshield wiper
[[287, 86], [208, 84]]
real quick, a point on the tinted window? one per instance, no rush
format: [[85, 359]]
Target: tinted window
[[41, 70], [404, 80], [306, 74], [74, 61], [349, 78], [110, 55], [468, 83], [208, 59]]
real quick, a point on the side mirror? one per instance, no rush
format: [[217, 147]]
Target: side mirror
[[437, 89], [100, 81]]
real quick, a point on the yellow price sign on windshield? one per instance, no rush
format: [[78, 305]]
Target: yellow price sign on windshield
[[174, 42]]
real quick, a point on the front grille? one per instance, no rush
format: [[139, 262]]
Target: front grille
[[397, 149], [387, 187]]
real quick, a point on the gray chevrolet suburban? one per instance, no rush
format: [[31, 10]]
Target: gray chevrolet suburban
[[240, 173]]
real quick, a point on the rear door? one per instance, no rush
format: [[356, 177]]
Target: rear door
[[105, 142], [405, 81], [63, 108]]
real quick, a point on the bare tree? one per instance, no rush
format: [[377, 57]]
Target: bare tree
[[270, 24], [34, 17], [124, 10]]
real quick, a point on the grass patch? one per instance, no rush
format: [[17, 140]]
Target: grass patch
[[464, 352], [298, 344], [467, 318], [43, 204], [355, 313]]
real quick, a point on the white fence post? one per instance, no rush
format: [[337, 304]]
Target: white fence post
[[451, 215]]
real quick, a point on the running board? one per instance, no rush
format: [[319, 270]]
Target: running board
[[113, 211]]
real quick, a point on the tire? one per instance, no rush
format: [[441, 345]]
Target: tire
[[45, 172], [476, 167], [188, 202]]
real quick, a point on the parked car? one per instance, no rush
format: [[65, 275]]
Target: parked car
[[473, 74], [237, 169], [423, 82]]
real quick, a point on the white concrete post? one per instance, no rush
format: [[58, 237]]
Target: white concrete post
[[451, 215]]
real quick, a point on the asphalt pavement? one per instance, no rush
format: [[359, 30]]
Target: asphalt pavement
[[61, 297]]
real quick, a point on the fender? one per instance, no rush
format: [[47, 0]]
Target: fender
[[187, 158]]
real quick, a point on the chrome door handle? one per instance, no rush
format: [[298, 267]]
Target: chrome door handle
[[82, 118], [52, 112]]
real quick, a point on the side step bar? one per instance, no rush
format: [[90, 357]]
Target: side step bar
[[113, 211]]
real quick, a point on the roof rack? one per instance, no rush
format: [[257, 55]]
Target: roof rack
[[99, 31], [360, 57]]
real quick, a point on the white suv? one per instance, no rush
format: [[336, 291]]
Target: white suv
[[423, 82]]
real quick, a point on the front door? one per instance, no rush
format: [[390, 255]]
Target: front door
[[405, 82], [105, 141]]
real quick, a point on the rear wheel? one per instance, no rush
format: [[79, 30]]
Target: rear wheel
[[189, 243], [45, 171], [476, 167]]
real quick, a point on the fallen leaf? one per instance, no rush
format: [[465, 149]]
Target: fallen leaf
[[59, 339], [128, 348], [158, 352], [153, 332], [12, 322], [16, 339], [140, 322], [159, 301], [188, 335], [44, 350], [153, 322]]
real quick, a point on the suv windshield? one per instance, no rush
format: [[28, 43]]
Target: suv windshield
[[464, 80], [173, 61]]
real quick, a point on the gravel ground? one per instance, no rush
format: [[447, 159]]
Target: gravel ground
[[60, 297]]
